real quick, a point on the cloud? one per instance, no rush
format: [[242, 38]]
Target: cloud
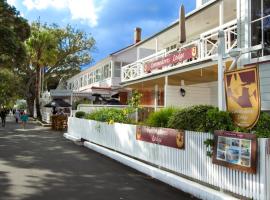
[[86, 11], [12, 2]]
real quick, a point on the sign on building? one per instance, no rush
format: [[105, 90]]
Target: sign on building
[[243, 96], [235, 150], [185, 54], [161, 136]]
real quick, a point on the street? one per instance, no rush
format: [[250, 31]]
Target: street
[[37, 164]]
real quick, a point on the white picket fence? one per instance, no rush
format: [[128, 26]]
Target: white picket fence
[[191, 162]]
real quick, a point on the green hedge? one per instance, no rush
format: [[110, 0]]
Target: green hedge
[[110, 115], [204, 118], [201, 118], [191, 118], [160, 118]]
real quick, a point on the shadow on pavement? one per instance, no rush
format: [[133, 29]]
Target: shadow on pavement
[[37, 163]]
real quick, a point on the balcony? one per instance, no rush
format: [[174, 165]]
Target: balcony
[[203, 48]]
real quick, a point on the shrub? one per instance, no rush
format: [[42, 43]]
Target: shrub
[[80, 114], [192, 118], [110, 115], [218, 120], [160, 118], [262, 128]]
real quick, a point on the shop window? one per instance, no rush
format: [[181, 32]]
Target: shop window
[[260, 26]]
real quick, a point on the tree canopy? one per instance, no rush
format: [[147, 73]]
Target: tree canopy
[[9, 87], [55, 52], [14, 30]]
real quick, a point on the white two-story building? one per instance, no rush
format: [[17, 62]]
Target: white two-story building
[[189, 73], [170, 73]]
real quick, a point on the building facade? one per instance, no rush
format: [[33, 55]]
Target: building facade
[[172, 73]]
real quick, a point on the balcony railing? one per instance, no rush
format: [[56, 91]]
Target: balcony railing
[[206, 47]]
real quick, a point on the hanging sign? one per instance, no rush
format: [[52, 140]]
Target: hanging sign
[[161, 136], [243, 96], [235, 150], [185, 54]]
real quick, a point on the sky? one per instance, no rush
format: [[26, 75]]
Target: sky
[[110, 22]]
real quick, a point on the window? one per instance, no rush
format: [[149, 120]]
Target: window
[[205, 1], [98, 75], [107, 71], [81, 81], [85, 80], [260, 26]]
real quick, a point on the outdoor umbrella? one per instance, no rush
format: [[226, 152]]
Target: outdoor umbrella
[[182, 24], [57, 103]]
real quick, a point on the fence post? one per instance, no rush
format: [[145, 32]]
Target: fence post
[[262, 171]]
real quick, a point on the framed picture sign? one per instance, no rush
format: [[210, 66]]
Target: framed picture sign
[[235, 150]]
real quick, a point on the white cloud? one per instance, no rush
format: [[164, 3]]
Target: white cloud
[[12, 2], [86, 11]]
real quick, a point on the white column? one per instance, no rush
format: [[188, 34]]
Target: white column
[[138, 53], [112, 69], [221, 13], [198, 3], [156, 97], [71, 100], [221, 52], [165, 91]]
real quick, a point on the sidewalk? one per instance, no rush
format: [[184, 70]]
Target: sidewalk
[[37, 163]]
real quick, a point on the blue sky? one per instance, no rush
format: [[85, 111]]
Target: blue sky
[[111, 22]]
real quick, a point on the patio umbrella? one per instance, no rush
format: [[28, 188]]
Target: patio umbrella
[[182, 24], [57, 103]]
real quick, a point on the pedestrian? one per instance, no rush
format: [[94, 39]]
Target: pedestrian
[[24, 119], [3, 115], [17, 116]]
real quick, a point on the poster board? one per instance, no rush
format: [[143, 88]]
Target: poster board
[[235, 150]]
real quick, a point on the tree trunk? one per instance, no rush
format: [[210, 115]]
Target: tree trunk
[[37, 92], [30, 94], [30, 106]]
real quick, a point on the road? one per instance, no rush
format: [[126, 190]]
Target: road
[[37, 164]]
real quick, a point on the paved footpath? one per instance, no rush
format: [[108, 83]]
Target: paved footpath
[[37, 164]]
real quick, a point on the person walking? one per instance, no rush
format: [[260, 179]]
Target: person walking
[[3, 115], [17, 116], [24, 119]]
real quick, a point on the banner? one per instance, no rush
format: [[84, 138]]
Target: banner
[[235, 150], [243, 96], [161, 136], [174, 58]]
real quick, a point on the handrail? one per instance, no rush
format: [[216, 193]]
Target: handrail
[[207, 47]]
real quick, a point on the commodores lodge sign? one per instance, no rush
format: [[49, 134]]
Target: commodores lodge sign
[[243, 96], [174, 58]]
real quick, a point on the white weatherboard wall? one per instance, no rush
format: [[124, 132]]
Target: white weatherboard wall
[[191, 162], [204, 93], [265, 85]]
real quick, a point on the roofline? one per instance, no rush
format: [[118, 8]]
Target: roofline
[[200, 9]]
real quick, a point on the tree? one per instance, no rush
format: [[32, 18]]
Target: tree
[[56, 52], [9, 87], [14, 30]]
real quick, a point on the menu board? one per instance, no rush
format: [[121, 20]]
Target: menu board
[[236, 150]]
